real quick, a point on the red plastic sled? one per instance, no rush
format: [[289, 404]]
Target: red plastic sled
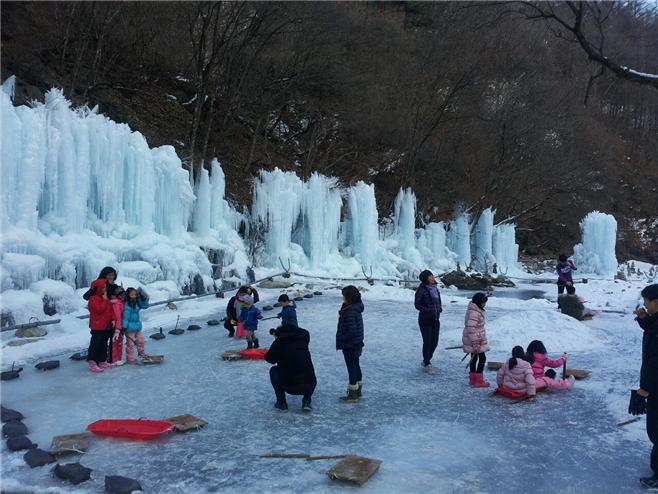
[[253, 353], [509, 393], [131, 429]]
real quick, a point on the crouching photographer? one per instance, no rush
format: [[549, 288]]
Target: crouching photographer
[[293, 372]]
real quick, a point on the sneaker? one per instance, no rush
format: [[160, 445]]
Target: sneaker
[[105, 365], [306, 405], [119, 363], [428, 368], [93, 367], [281, 405], [649, 483]]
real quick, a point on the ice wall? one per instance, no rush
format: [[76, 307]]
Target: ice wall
[[321, 209], [277, 205], [482, 241], [431, 242], [505, 248], [362, 224], [459, 239], [404, 220], [596, 253], [202, 206]]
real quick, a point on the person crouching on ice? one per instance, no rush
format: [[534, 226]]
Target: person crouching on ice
[[118, 305], [536, 356], [101, 324], [136, 300], [249, 315], [288, 314], [516, 374], [474, 339]]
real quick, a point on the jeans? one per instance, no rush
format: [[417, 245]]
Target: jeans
[[430, 331], [570, 289], [352, 356], [229, 327], [481, 359], [280, 389]]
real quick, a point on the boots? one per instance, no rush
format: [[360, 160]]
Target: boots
[[250, 345], [359, 385], [471, 378], [479, 381], [306, 405], [93, 367], [352, 395], [281, 405], [256, 343]]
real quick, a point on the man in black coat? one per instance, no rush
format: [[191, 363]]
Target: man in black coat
[[647, 318], [428, 304], [293, 373]]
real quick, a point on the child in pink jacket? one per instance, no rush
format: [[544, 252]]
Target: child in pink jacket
[[474, 339], [118, 304], [536, 355], [516, 374]]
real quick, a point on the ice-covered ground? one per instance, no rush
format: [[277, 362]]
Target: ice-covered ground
[[433, 433]]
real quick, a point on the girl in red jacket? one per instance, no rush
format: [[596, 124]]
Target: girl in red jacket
[[101, 323]]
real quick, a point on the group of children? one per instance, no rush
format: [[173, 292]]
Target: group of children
[[113, 314], [523, 374]]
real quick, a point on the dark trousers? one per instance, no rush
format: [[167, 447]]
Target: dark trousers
[[229, 327], [652, 429], [352, 356], [570, 289], [98, 346], [280, 389], [480, 359], [430, 331]]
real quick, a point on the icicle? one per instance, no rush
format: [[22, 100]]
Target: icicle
[[482, 247], [596, 253]]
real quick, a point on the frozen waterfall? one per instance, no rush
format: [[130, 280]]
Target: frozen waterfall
[[482, 244], [505, 248], [404, 220], [459, 239], [596, 253], [362, 224]]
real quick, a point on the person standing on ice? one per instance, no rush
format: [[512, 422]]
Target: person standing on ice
[[293, 372], [118, 305], [474, 339], [349, 339], [645, 399], [564, 270], [109, 274], [536, 356], [237, 301], [101, 324], [249, 315], [136, 300], [428, 305], [288, 314]]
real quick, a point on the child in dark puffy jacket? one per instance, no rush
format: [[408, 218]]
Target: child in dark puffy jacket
[[249, 315], [349, 339], [288, 314]]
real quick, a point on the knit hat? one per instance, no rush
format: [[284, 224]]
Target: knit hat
[[424, 276], [247, 300]]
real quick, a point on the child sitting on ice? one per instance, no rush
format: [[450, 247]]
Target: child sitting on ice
[[516, 374], [118, 304], [574, 306], [536, 356], [136, 300], [249, 315], [474, 339], [288, 314]]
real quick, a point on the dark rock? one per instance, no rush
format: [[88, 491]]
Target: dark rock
[[7, 319], [474, 281], [268, 307], [9, 375], [18, 443], [49, 365], [14, 428], [49, 306], [177, 331], [251, 276], [72, 472], [270, 283], [79, 356], [299, 299], [8, 415], [213, 322], [158, 336], [193, 327], [31, 332], [308, 295], [277, 304], [115, 484], [36, 457], [317, 293]]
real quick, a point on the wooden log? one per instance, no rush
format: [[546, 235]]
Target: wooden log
[[577, 373], [70, 443], [187, 422], [231, 355], [356, 469], [491, 365]]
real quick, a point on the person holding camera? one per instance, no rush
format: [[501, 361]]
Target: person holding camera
[[645, 399], [293, 371]]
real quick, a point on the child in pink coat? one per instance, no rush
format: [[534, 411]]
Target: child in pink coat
[[118, 304], [516, 374], [474, 339], [536, 356]]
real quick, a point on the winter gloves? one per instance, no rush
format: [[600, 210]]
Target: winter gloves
[[637, 404]]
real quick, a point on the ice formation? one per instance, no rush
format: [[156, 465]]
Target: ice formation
[[431, 242], [459, 239], [362, 224], [505, 248], [482, 241], [404, 220], [81, 191], [596, 253]]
